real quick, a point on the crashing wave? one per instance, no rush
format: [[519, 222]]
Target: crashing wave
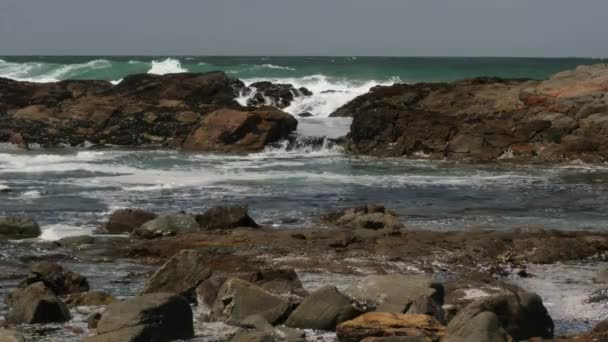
[[167, 66]]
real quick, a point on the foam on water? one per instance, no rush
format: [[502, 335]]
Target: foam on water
[[54, 232], [48, 72], [167, 66]]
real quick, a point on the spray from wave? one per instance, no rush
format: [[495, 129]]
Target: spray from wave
[[167, 66]]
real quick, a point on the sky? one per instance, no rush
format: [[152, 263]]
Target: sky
[[533, 28]]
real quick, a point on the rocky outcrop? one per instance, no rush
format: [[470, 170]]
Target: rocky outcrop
[[166, 225], [152, 317], [225, 218], [562, 118], [240, 130], [273, 94], [60, 280], [382, 324], [517, 316], [393, 292], [180, 275], [34, 304], [18, 228], [142, 110], [323, 309], [125, 220], [367, 217]]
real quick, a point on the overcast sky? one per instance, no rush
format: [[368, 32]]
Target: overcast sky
[[306, 27]]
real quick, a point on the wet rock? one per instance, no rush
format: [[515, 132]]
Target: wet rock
[[206, 292], [382, 324], [425, 305], [306, 115], [60, 280], [5, 190], [12, 227], [238, 299], [323, 309], [151, 317], [77, 241], [518, 316], [125, 220], [10, 336], [367, 217], [92, 298], [166, 225], [180, 275], [395, 339], [240, 131], [93, 319], [394, 292], [275, 94], [36, 304], [225, 218]]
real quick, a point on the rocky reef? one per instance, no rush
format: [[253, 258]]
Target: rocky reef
[[481, 119]]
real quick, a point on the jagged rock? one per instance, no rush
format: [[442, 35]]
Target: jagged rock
[[225, 218], [60, 280], [152, 317], [382, 324], [92, 298], [323, 309], [367, 217], [125, 220], [238, 299], [393, 292], [517, 316], [18, 228], [166, 225], [36, 304], [244, 130], [180, 275]]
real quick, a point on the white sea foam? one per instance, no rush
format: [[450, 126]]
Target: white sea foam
[[54, 232], [48, 72], [167, 66], [277, 67]]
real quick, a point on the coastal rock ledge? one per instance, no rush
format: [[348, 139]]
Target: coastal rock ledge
[[563, 118]]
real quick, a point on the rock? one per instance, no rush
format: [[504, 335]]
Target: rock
[[394, 292], [60, 280], [323, 309], [125, 220], [12, 227], [225, 218], [281, 281], [258, 323], [166, 225], [241, 131], [289, 334], [77, 241], [252, 336], [517, 316], [367, 217], [382, 324], [93, 319], [276, 95], [151, 317], [238, 299], [36, 304], [180, 275], [92, 298], [206, 292], [425, 305], [306, 115], [10, 336]]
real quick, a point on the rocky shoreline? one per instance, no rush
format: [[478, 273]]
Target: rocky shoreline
[[221, 267]]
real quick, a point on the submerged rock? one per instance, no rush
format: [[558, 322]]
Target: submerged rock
[[323, 309], [166, 225], [382, 324], [12, 227], [225, 218], [152, 317], [126, 220], [180, 275], [36, 304]]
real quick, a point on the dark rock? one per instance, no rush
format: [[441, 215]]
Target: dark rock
[[241, 131], [152, 317], [92, 298], [238, 299], [517, 316], [425, 305], [306, 115], [125, 220], [225, 218], [279, 95], [180, 275], [281, 281], [36, 304], [166, 225], [382, 324], [77, 241], [323, 309], [18, 228], [60, 280]]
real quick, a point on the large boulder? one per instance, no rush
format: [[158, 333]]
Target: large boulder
[[393, 292], [238, 299], [18, 228], [125, 220], [517, 316], [60, 280], [323, 309], [367, 217], [155, 317], [166, 225], [181, 274], [382, 324], [225, 218], [36, 304], [231, 130]]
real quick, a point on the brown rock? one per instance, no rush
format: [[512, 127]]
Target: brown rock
[[125, 220], [382, 324]]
